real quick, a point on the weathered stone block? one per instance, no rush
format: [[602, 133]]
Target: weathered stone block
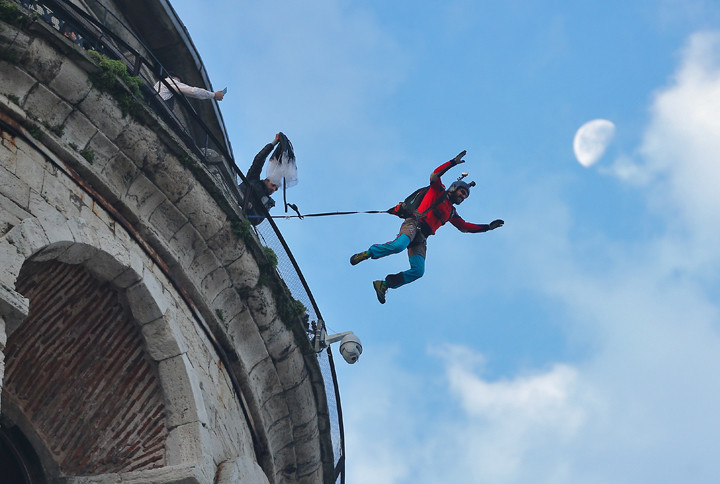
[[172, 178], [109, 262], [10, 214], [167, 220], [12, 110], [186, 243], [244, 272], [178, 474], [100, 479], [57, 191], [11, 260], [264, 379], [14, 81], [119, 174], [161, 341], [71, 82], [182, 392], [144, 197], [44, 105], [203, 212], [214, 283], [278, 340], [226, 245], [139, 143], [104, 151], [86, 242], [301, 400], [103, 111], [14, 308], [293, 369], [9, 149], [281, 437], [307, 450], [262, 307], [41, 60], [311, 478], [204, 263], [30, 166], [52, 251], [77, 254], [14, 188], [128, 277], [54, 223], [28, 237], [147, 299], [11, 36], [246, 339], [229, 302], [78, 130], [244, 469]]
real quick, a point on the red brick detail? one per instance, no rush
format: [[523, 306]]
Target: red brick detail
[[78, 372]]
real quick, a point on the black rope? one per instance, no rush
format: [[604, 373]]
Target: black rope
[[325, 214]]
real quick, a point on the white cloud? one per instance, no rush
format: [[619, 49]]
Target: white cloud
[[506, 420], [680, 147], [535, 398], [626, 169], [682, 142], [486, 432]]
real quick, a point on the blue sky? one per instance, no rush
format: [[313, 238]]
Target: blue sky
[[581, 341]]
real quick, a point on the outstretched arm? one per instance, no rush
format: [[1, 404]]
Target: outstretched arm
[[190, 91], [440, 170], [464, 226], [257, 165]]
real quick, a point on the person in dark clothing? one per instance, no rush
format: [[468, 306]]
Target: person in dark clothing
[[261, 189], [436, 208]]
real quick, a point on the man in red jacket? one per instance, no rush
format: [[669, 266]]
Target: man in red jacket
[[436, 208]]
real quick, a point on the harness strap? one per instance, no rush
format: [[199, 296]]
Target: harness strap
[[433, 206], [420, 216]]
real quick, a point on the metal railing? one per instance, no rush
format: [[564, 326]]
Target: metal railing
[[102, 35]]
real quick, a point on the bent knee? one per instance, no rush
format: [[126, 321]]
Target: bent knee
[[401, 242]]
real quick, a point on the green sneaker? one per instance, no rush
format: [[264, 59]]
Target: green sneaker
[[380, 289], [359, 257]]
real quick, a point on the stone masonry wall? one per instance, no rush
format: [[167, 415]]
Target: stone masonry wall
[[81, 183]]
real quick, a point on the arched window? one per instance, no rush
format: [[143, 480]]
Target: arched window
[[19, 464]]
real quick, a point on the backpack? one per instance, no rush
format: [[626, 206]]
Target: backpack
[[408, 207]]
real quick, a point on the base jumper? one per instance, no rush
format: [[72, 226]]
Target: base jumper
[[435, 209]]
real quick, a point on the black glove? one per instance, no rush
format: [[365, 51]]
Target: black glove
[[496, 223], [458, 159]]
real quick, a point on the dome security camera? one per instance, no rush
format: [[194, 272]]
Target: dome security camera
[[350, 345], [351, 348]]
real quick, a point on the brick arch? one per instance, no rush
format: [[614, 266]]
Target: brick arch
[[152, 405], [77, 373]]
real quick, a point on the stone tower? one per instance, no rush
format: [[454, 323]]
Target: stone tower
[[147, 332]]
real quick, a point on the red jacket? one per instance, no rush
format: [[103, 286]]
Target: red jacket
[[444, 211]]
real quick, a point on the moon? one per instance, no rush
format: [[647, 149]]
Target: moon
[[591, 141]]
